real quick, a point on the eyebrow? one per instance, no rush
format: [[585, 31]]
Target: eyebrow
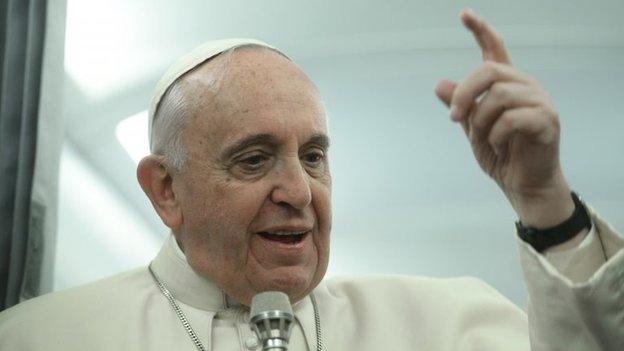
[[253, 139], [320, 139]]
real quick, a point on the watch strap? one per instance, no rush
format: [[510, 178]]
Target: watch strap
[[542, 239]]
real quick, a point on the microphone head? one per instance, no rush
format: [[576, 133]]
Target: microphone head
[[271, 318], [270, 301]]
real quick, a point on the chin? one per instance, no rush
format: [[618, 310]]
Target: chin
[[296, 282]]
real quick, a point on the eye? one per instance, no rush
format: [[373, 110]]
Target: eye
[[314, 157], [253, 162]]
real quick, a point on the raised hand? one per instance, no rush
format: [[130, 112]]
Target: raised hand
[[513, 129]]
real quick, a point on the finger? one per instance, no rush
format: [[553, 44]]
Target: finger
[[478, 82], [502, 96], [466, 127], [444, 90], [526, 121], [491, 43]]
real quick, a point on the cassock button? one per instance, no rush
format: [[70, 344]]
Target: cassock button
[[251, 343]]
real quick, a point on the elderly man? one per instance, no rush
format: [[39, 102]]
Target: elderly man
[[239, 172]]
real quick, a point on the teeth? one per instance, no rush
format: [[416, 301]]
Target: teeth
[[287, 233]]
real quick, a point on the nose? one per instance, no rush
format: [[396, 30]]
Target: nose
[[292, 185]]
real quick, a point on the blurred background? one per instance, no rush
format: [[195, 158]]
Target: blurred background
[[408, 196]]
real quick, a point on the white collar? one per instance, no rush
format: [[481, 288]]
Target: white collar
[[190, 288], [171, 267]]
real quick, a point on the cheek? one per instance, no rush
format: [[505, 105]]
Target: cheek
[[223, 214], [321, 190], [321, 193]]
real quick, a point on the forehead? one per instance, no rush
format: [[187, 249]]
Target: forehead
[[252, 91]]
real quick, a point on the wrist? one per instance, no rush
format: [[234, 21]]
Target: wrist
[[545, 208], [561, 235]]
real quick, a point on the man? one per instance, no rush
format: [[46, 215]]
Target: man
[[239, 173]]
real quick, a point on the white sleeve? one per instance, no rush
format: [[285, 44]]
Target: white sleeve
[[581, 260], [576, 297]]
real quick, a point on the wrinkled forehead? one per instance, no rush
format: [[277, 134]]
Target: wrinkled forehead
[[245, 79], [251, 91], [187, 64]]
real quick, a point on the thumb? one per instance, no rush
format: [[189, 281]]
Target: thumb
[[444, 90]]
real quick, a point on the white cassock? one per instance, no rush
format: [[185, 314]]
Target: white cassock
[[576, 303]]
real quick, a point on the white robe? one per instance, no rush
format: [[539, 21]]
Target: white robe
[[576, 303]]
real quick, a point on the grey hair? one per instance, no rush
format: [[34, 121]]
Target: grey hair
[[169, 121], [175, 106]]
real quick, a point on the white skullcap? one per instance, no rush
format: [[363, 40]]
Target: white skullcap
[[189, 61]]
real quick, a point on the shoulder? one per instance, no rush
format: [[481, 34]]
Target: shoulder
[[109, 299], [440, 311], [417, 308], [408, 294], [403, 285], [99, 294]]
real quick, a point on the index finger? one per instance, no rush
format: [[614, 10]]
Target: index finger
[[492, 46]]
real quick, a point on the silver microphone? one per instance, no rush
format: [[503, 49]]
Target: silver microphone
[[271, 318]]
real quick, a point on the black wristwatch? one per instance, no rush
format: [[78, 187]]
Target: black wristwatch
[[542, 239]]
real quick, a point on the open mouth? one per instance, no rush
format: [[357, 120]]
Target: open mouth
[[290, 238]]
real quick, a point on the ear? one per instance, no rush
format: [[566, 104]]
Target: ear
[[157, 183]]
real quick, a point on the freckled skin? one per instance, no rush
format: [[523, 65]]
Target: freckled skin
[[223, 204]]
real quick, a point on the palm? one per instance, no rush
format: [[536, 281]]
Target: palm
[[522, 164]]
